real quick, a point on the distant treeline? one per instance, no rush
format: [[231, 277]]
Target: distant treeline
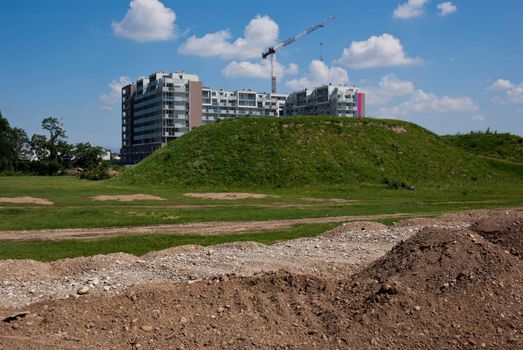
[[48, 153]]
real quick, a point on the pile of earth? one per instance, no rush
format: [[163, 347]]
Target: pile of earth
[[500, 230], [440, 289]]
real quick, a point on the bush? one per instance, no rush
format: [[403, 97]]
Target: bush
[[397, 185], [98, 172]]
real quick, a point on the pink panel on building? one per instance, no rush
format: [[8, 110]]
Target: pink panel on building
[[195, 104], [360, 101]]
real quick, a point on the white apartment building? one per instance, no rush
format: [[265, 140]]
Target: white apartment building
[[333, 100], [164, 106], [220, 104]]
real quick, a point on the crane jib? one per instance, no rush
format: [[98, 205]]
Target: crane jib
[[272, 50]]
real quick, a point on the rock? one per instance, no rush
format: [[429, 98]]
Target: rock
[[83, 290], [15, 317], [373, 342], [147, 328], [220, 310], [183, 320], [417, 308], [387, 289], [107, 288]]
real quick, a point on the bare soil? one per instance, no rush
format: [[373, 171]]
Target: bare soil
[[199, 228], [434, 284], [25, 200], [128, 198], [229, 195]]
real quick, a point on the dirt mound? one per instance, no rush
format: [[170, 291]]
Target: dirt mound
[[128, 198], [439, 289], [505, 229], [229, 195], [25, 200], [23, 269]]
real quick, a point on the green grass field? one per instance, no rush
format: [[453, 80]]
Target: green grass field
[[370, 163], [142, 244], [73, 208]]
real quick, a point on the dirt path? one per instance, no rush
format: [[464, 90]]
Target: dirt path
[[199, 228]]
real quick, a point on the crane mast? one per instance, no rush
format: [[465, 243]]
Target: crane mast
[[271, 51]]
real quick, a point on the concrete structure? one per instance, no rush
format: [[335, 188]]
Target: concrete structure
[[333, 100], [164, 106], [156, 110], [220, 104]]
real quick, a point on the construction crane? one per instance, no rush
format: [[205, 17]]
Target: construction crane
[[272, 50]]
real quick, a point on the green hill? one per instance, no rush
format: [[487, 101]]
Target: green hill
[[315, 151], [488, 144]]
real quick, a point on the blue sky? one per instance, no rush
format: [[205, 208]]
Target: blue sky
[[449, 66]]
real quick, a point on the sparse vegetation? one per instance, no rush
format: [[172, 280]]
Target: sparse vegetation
[[503, 146]]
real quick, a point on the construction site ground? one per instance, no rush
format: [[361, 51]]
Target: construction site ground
[[453, 282]]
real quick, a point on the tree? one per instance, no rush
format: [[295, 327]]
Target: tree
[[4, 141], [56, 136], [13, 147], [19, 148], [52, 154], [87, 156]]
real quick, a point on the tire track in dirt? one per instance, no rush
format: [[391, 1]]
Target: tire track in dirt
[[199, 228]]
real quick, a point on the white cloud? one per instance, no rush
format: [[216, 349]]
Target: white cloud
[[421, 101], [377, 51], [502, 84], [410, 9], [319, 74], [446, 8], [478, 118], [146, 20], [262, 69], [388, 88], [260, 33], [515, 94], [293, 69], [113, 97]]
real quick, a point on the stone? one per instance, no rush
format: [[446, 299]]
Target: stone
[[83, 290], [147, 328], [15, 317]]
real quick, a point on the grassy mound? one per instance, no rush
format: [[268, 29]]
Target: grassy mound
[[315, 151], [493, 145]]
